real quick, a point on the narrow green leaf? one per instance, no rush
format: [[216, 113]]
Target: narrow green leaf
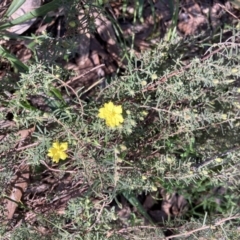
[[13, 60], [41, 11], [15, 5], [134, 201], [56, 93], [140, 10], [27, 106]]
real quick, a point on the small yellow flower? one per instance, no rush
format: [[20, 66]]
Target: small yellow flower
[[133, 123], [204, 172], [112, 114], [154, 188], [119, 160], [57, 151], [123, 147], [234, 70], [229, 81], [224, 116], [144, 113], [143, 83], [236, 104], [154, 76], [116, 151], [72, 24], [129, 130], [131, 92], [215, 81], [169, 160], [218, 160], [144, 177]]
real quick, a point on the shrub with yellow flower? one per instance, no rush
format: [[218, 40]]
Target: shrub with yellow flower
[[58, 151], [112, 114]]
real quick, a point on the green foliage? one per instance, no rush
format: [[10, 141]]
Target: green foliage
[[180, 133], [41, 11]]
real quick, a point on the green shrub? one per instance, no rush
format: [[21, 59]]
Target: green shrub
[[180, 133]]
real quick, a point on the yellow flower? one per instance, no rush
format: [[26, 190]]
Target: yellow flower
[[144, 83], [144, 177], [218, 160], [133, 123], [112, 114], [234, 70], [57, 151], [123, 147], [224, 116], [72, 24], [215, 81], [154, 188], [154, 76]]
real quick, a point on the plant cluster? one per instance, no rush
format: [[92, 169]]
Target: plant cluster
[[170, 123]]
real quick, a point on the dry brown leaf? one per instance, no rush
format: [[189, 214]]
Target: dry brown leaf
[[105, 30], [169, 205], [27, 6], [236, 3], [26, 132], [83, 40], [19, 185], [159, 215], [149, 201]]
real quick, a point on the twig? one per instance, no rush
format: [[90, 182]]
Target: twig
[[203, 227], [66, 85], [55, 170], [97, 218], [137, 227], [93, 85], [153, 86], [223, 7], [211, 159], [28, 146], [78, 77]]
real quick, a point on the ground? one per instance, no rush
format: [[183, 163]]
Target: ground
[[96, 54]]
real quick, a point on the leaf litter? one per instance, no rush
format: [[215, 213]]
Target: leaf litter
[[93, 50]]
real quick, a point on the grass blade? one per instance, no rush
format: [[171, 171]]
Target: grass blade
[[13, 59], [41, 11], [134, 201], [14, 7]]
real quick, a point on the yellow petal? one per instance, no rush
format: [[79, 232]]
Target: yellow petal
[[101, 113], [64, 146], [218, 160], [50, 152], [63, 155], [118, 109], [109, 105], [144, 177], [110, 123], [111, 114], [56, 145], [119, 118], [55, 159]]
